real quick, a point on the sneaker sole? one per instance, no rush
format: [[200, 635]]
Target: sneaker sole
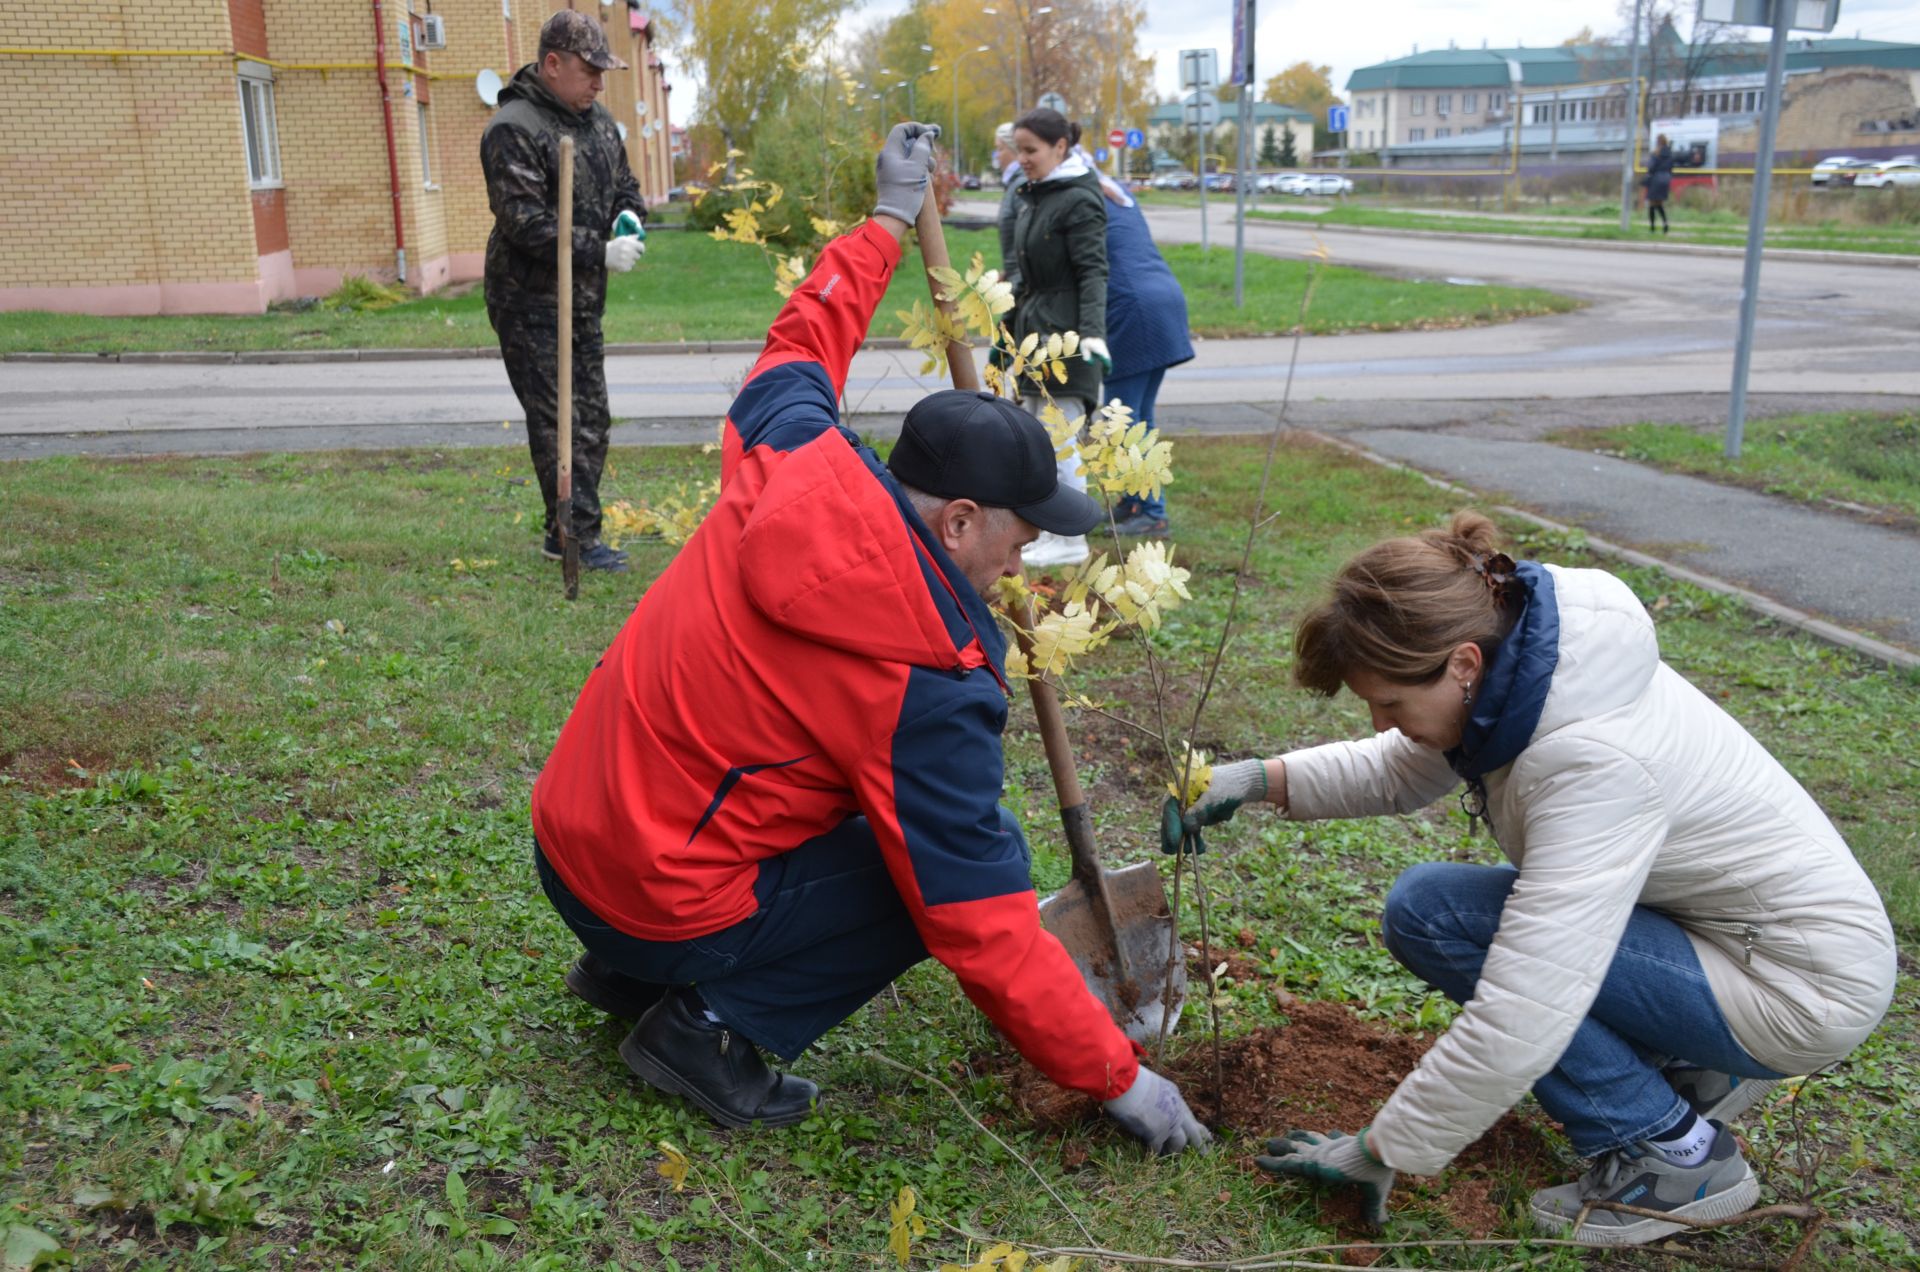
[[1639, 1231], [654, 1072], [1737, 1101]]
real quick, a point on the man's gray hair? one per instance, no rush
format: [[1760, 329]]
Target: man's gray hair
[[929, 506]]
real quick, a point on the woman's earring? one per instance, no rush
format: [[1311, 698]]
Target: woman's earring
[[1466, 693]]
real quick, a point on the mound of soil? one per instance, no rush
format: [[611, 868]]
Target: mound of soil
[[1326, 1070]]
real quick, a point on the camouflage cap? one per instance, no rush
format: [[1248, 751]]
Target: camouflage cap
[[570, 31]]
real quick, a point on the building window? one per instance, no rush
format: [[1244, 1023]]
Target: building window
[[1496, 101], [1416, 134], [426, 145], [262, 134], [1442, 103], [1468, 101], [1438, 133], [1419, 104]]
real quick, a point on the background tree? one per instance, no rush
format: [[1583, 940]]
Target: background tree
[[1305, 86], [1289, 158], [748, 56], [1271, 155]]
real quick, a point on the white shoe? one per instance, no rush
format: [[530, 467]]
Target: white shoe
[[1052, 549]]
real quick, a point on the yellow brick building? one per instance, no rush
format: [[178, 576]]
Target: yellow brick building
[[216, 156]]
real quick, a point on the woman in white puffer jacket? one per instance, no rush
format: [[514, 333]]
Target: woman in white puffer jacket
[[1679, 928]]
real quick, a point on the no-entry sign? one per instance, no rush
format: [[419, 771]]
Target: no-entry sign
[[1117, 138]]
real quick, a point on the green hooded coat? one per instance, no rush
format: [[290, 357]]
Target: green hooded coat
[[1060, 255]]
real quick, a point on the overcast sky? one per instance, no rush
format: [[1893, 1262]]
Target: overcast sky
[[1351, 33]]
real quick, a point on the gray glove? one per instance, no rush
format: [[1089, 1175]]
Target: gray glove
[[1153, 1112], [902, 171], [1333, 1159], [1233, 785]]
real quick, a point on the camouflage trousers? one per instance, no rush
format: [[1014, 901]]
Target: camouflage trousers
[[530, 344]]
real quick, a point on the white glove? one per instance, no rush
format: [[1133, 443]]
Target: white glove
[[622, 252], [1233, 785], [1094, 349], [1153, 1112]]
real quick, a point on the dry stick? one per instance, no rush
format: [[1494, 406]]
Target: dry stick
[[968, 1114], [744, 1231]]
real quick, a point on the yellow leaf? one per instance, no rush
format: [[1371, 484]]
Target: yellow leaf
[[674, 1168], [1198, 774]]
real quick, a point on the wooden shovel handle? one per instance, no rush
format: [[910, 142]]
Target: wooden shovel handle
[[933, 250]]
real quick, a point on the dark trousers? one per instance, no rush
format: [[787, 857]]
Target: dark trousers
[[530, 345], [830, 933]]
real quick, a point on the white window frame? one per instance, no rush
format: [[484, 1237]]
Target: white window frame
[[1469, 102], [1496, 102], [1419, 106], [1416, 134], [1438, 133], [1443, 103], [254, 85], [426, 145]]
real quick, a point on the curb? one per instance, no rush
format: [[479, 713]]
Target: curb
[[1820, 629], [269, 357], [1810, 254]]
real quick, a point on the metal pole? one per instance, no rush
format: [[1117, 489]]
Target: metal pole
[[1630, 122], [1245, 71], [1200, 162], [1757, 226]]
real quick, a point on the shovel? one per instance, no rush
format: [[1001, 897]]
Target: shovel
[[1115, 924], [563, 417]]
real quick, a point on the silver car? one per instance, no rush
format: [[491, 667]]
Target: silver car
[[1904, 171]]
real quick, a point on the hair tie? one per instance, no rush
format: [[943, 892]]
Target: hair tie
[[1496, 570]]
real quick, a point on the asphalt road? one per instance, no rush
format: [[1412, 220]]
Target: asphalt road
[[1657, 324]]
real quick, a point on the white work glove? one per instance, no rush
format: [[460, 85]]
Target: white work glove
[[902, 171], [1094, 349], [1233, 785], [1153, 1112], [1333, 1159], [623, 252]]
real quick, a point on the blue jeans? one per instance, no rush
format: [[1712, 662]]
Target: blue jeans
[[1654, 1007], [830, 933], [1139, 392]]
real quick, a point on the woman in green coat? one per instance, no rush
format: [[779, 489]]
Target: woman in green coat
[[1060, 260]]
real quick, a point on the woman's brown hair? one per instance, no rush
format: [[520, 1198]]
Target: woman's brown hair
[[1400, 608]]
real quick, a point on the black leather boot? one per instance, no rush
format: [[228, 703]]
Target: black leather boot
[[679, 1051], [615, 993]]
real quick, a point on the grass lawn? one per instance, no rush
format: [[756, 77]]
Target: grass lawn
[[281, 991], [689, 287], [1710, 227], [1859, 458]]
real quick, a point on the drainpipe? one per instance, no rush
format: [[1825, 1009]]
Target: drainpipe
[[393, 162]]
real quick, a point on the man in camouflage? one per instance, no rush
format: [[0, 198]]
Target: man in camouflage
[[546, 100]]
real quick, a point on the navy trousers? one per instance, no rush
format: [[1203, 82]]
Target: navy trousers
[[830, 932]]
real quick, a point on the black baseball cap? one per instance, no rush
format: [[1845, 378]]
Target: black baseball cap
[[975, 445]]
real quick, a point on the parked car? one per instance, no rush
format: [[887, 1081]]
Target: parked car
[[1322, 183], [1837, 170], [970, 182], [1220, 183], [1289, 182], [1904, 171]]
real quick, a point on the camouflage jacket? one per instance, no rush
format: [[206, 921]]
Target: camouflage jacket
[[520, 153]]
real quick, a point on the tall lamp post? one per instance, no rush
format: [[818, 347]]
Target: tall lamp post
[[1019, 36], [955, 140]]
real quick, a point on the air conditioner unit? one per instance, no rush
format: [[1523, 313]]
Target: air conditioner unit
[[433, 31]]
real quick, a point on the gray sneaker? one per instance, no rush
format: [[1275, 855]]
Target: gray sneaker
[[1716, 1096], [1722, 1185]]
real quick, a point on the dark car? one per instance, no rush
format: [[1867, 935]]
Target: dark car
[[970, 182]]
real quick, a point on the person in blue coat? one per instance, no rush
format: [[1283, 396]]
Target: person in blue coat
[[1146, 332]]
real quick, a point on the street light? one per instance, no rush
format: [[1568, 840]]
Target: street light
[[956, 100]]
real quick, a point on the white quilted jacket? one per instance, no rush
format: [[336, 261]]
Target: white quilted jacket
[[1634, 789]]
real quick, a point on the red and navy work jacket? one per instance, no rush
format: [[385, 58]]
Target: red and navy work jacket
[[811, 655]]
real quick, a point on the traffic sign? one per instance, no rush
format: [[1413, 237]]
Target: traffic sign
[[1135, 139], [1117, 138], [1053, 101], [1336, 119], [1200, 69], [1100, 155], [1202, 110]]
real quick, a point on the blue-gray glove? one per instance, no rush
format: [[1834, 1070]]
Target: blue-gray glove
[[903, 170], [1154, 1112], [1333, 1159]]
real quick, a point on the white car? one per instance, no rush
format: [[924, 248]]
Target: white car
[[1836, 170], [1321, 183], [1894, 172]]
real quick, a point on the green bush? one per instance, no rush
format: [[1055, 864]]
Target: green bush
[[822, 171]]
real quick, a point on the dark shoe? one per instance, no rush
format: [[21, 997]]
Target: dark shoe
[[598, 556], [615, 993], [1142, 526], [675, 1050], [1716, 1096], [1722, 1185], [550, 546]]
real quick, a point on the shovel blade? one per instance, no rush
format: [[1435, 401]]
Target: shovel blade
[[1124, 963]]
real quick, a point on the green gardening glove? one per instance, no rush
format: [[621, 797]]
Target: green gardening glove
[[628, 224], [1333, 1159]]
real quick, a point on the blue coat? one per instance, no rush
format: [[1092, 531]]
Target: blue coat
[[1146, 310]]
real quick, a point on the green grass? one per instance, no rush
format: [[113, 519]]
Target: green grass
[[690, 288], [1855, 457], [1716, 227], [280, 990]]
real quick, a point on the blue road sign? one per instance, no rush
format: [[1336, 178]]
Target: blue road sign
[[1135, 139], [1336, 119], [1100, 155]]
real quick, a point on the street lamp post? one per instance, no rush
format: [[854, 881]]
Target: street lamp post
[[1020, 35], [954, 141]]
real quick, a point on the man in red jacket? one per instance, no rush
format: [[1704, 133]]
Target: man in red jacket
[[779, 788]]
